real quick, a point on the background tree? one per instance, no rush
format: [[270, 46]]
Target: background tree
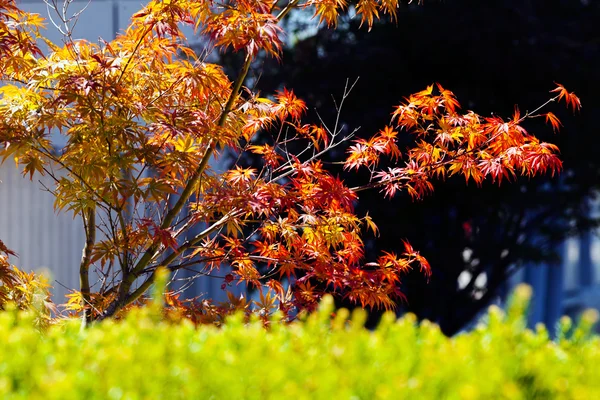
[[144, 115], [490, 53]]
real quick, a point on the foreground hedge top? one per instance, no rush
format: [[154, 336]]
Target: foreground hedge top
[[143, 357]]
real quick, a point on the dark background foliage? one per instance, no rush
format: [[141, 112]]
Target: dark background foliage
[[492, 55]]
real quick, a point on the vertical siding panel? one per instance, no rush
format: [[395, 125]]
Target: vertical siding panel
[[537, 277], [586, 273], [556, 291], [42, 238], [571, 260]]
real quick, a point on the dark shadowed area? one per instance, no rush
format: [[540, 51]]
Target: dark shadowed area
[[493, 55]]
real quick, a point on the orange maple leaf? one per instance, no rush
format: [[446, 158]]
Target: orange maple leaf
[[554, 121], [570, 98]]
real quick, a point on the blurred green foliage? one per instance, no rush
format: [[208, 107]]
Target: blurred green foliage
[[321, 356]]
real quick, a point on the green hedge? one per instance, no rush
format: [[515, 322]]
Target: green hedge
[[143, 357]]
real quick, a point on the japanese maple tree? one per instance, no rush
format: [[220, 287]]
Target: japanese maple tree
[[143, 116]]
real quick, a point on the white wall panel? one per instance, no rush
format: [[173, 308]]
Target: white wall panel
[[41, 237]]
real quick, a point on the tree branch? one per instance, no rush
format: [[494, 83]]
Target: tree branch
[[89, 223], [153, 250]]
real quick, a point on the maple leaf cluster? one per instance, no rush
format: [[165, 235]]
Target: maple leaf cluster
[[449, 142], [143, 116]]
